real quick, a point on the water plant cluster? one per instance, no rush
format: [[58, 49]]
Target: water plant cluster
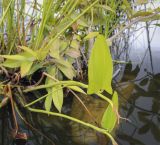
[[57, 45]]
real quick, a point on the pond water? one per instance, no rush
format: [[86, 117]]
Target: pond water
[[143, 105]]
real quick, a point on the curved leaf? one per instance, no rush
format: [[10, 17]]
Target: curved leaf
[[109, 118], [76, 88]]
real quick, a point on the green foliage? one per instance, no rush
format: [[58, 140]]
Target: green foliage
[[56, 37], [100, 67], [110, 115]]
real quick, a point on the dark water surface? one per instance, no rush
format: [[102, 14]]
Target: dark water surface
[[143, 105]]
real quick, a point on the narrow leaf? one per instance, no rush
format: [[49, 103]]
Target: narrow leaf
[[48, 102], [14, 57], [109, 118], [54, 49], [57, 96], [76, 88], [91, 35]]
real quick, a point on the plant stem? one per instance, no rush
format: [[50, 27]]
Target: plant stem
[[67, 83], [101, 130]]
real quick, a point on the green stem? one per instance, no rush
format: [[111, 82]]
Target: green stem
[[65, 84], [101, 130]]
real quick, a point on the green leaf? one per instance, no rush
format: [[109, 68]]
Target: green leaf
[[57, 96], [14, 57], [109, 118], [65, 67], [34, 68], [91, 35], [25, 67], [48, 102], [11, 63], [105, 8], [100, 68], [141, 14], [29, 50], [72, 52], [54, 49], [76, 88]]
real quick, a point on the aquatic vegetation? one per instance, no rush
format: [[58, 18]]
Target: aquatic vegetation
[[52, 45]]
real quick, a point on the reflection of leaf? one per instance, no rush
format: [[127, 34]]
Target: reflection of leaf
[[100, 67], [142, 118], [130, 139], [144, 129], [143, 113], [152, 86], [155, 129], [130, 74], [144, 82], [130, 111], [140, 91], [155, 106]]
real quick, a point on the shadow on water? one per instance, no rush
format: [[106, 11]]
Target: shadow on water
[[143, 105]]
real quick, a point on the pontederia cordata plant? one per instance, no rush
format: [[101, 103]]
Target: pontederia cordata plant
[[56, 37]]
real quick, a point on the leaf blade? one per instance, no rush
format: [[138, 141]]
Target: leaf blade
[[109, 118], [100, 68]]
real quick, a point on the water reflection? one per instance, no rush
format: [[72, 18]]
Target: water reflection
[[143, 105]]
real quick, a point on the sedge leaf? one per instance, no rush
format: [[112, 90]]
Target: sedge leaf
[[100, 68]]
